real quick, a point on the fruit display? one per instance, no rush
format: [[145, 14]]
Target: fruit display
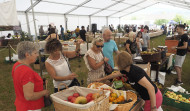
[[122, 78], [128, 87], [151, 56], [159, 85], [77, 99], [177, 97], [148, 53], [118, 98]]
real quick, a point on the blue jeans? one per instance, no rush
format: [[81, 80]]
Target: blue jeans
[[62, 35], [168, 33]]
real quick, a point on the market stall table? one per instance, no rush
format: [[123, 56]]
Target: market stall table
[[138, 105], [157, 33], [158, 65], [154, 65], [83, 48], [120, 39], [5, 42]]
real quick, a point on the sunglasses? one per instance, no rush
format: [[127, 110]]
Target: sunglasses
[[98, 46]]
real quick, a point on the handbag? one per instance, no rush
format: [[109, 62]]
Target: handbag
[[107, 68], [75, 81], [47, 100], [133, 47]]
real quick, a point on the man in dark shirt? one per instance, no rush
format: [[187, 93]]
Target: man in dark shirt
[[82, 33], [181, 52]]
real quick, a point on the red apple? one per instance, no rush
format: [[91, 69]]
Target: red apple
[[95, 96], [69, 98], [88, 98], [73, 99], [76, 95], [89, 95]]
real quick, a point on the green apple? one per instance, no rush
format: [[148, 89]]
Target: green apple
[[80, 100], [180, 95], [187, 101], [177, 97], [184, 98]]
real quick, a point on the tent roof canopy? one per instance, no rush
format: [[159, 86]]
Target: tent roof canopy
[[108, 8]]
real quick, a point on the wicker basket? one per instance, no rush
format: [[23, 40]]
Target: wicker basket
[[96, 84], [156, 57], [127, 106], [100, 104]]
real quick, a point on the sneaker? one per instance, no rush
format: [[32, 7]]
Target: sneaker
[[173, 72], [178, 83]]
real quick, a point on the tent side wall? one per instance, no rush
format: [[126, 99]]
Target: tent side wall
[[41, 19], [59, 19], [100, 21], [113, 21], [73, 21]]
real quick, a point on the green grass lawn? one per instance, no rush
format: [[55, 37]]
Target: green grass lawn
[[7, 95]]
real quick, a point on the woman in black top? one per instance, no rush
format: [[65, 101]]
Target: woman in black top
[[139, 80], [131, 44]]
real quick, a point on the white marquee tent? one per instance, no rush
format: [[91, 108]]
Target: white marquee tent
[[72, 13]]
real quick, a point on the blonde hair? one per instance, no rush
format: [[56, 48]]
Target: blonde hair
[[123, 60], [131, 35], [97, 39]]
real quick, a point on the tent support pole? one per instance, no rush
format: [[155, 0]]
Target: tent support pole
[[89, 33], [90, 23], [65, 18], [106, 21], [34, 20], [28, 24]]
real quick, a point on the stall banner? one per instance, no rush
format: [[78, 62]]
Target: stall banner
[[8, 13]]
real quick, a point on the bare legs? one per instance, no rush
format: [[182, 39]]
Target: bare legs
[[179, 71]]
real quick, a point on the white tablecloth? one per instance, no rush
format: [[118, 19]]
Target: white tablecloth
[[83, 48], [41, 44], [70, 47]]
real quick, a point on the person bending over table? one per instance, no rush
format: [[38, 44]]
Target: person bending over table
[[57, 64], [27, 83], [139, 80]]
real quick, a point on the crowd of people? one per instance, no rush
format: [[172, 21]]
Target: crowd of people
[[137, 42], [52, 32], [172, 28], [127, 28], [29, 85]]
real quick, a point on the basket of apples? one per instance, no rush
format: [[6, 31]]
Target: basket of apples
[[119, 100], [81, 99]]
